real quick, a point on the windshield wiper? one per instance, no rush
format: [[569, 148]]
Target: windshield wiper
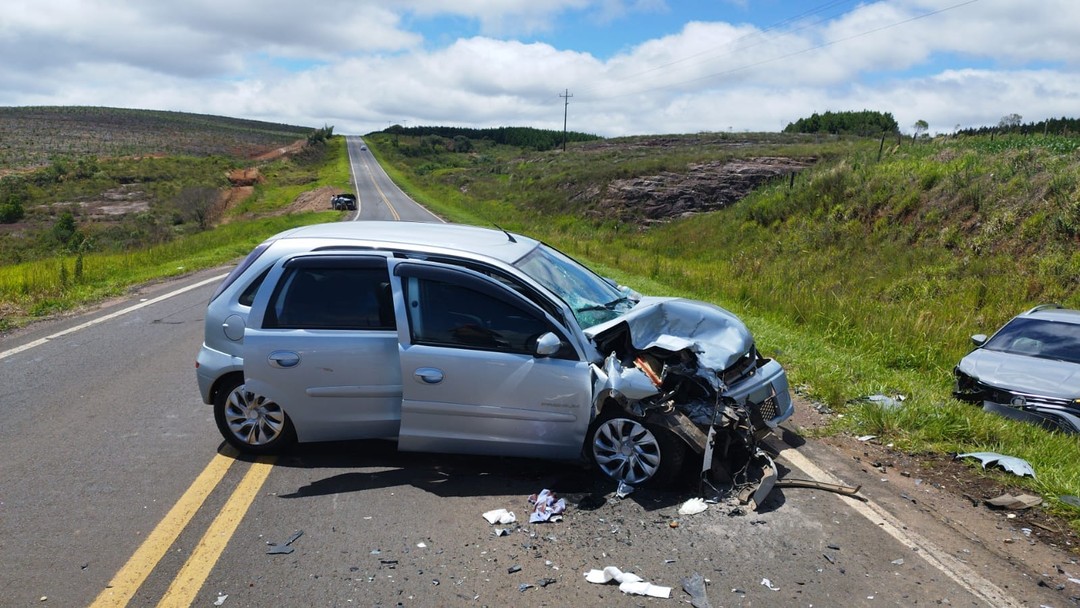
[[609, 306]]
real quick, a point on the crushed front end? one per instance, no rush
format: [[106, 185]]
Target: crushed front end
[[692, 368]]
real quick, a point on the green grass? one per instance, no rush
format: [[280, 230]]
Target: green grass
[[866, 277], [36, 289]]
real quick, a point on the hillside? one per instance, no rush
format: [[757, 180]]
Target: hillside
[[32, 136]]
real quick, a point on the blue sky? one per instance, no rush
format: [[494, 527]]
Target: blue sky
[[632, 66]]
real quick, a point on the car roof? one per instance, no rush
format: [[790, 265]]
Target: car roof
[[420, 236], [1052, 312]]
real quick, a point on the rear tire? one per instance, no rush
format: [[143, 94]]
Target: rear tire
[[628, 450], [251, 423]]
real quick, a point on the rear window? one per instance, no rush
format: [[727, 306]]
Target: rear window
[[240, 268], [311, 297]]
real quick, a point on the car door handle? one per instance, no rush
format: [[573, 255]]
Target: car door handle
[[283, 359], [429, 375]]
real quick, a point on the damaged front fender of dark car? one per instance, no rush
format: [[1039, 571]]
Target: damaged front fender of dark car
[[690, 370]]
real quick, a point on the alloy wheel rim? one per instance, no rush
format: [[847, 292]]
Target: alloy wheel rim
[[626, 451], [253, 419]]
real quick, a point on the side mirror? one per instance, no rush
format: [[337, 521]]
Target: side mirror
[[548, 344], [978, 339]]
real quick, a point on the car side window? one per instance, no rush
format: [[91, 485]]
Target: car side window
[[312, 297], [447, 314]]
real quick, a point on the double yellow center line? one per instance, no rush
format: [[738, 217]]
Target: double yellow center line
[[197, 567]]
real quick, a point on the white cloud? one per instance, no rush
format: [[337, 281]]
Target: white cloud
[[359, 64]]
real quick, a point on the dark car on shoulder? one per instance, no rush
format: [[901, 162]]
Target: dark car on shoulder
[[1029, 370], [343, 202]]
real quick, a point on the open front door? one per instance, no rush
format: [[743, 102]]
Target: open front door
[[471, 380]]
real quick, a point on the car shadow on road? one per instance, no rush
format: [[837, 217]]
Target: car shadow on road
[[381, 465]]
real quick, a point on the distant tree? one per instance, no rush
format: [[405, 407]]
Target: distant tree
[[66, 232], [196, 203], [462, 144], [1010, 122], [920, 126], [866, 123], [14, 193]]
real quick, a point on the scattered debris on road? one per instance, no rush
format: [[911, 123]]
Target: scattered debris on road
[[629, 582], [284, 548]]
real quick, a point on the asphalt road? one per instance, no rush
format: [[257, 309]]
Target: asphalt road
[[116, 489], [379, 198]]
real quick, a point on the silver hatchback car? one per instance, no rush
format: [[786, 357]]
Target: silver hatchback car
[[459, 339]]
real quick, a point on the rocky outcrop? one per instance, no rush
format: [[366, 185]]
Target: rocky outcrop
[[704, 187]]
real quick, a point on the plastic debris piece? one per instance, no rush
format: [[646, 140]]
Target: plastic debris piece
[[421, 545], [629, 582], [694, 586], [866, 438], [897, 562], [523, 587], [220, 599], [767, 583], [693, 507], [546, 507], [513, 569], [1008, 501], [544, 582], [624, 490], [502, 532], [500, 516], [1072, 501], [284, 548], [886, 401], [1012, 464]]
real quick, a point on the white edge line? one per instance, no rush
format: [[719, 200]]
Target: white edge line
[[948, 564], [112, 315]]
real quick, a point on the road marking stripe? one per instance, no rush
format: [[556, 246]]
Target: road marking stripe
[[113, 315], [190, 580], [127, 581], [959, 572]]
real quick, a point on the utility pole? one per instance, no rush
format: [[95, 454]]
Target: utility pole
[[566, 106]]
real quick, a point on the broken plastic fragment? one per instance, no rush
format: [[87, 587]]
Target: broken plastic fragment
[[220, 599], [693, 507], [1008, 501], [1072, 501], [767, 583], [1012, 464], [865, 438], [284, 548], [886, 401], [694, 585], [624, 490], [628, 582], [502, 532], [500, 516]]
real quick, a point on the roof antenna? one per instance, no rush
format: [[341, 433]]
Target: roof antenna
[[508, 235]]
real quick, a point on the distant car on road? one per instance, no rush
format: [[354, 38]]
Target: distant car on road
[[459, 339], [1029, 370], [363, 147], [343, 202]]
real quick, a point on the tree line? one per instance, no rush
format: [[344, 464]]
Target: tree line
[[522, 137]]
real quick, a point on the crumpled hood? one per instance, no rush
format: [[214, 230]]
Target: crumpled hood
[[1023, 373], [716, 336]]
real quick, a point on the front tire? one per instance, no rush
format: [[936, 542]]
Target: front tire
[[251, 423], [627, 450]]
